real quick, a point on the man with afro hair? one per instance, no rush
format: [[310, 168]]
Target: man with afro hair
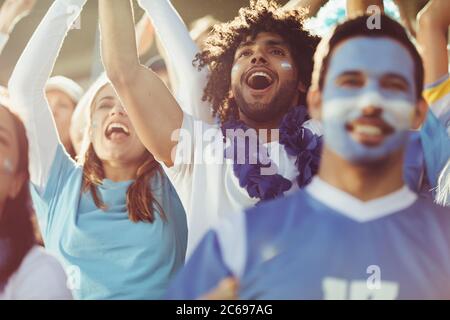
[[260, 67]]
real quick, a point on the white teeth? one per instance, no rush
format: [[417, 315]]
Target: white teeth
[[116, 125], [261, 74], [368, 130]]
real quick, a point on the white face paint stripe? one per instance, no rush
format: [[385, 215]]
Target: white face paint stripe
[[397, 113], [235, 68], [7, 165], [286, 65]]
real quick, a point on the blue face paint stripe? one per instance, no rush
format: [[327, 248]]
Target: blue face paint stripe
[[374, 58]]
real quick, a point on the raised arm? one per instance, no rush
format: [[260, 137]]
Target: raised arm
[[313, 6], [432, 37], [359, 7], [145, 35], [27, 84], [151, 107], [180, 51], [408, 13], [11, 12]]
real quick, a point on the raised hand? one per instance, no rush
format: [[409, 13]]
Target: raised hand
[[227, 289], [313, 6], [408, 11], [359, 7], [155, 123], [13, 11]]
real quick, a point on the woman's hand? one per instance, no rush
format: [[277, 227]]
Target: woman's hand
[[12, 12], [227, 289]]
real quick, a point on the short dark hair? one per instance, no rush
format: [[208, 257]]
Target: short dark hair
[[221, 45], [357, 27]]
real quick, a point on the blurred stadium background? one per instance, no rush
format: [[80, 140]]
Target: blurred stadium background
[[79, 52], [79, 58]]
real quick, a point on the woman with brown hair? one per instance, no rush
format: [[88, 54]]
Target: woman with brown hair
[[26, 270], [114, 219]]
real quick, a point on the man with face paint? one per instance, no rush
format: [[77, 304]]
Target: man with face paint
[[367, 115], [356, 231]]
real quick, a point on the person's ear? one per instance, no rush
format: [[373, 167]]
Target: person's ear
[[301, 87], [420, 114], [314, 99], [16, 185]]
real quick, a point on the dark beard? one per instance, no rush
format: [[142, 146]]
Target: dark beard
[[260, 112]]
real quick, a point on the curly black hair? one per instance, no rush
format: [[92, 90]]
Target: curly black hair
[[222, 43]]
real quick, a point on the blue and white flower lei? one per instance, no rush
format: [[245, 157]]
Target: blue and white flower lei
[[297, 140]]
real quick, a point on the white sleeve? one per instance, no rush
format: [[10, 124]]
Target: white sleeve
[[27, 86], [180, 50], [39, 277], [231, 232], [3, 41], [315, 126]]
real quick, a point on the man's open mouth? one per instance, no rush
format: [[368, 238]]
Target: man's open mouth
[[116, 129], [259, 80]]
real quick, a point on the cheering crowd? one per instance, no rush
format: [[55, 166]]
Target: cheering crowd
[[250, 159]]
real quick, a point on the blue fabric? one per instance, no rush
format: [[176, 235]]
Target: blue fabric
[[427, 153], [205, 269], [414, 163], [436, 147], [117, 259], [318, 253]]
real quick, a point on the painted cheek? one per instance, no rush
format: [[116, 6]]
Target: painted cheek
[[7, 166], [396, 112], [399, 116], [235, 70], [399, 95], [95, 130], [337, 112], [286, 65], [332, 91]]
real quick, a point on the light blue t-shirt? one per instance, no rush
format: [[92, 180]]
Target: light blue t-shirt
[[426, 155], [106, 255]]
